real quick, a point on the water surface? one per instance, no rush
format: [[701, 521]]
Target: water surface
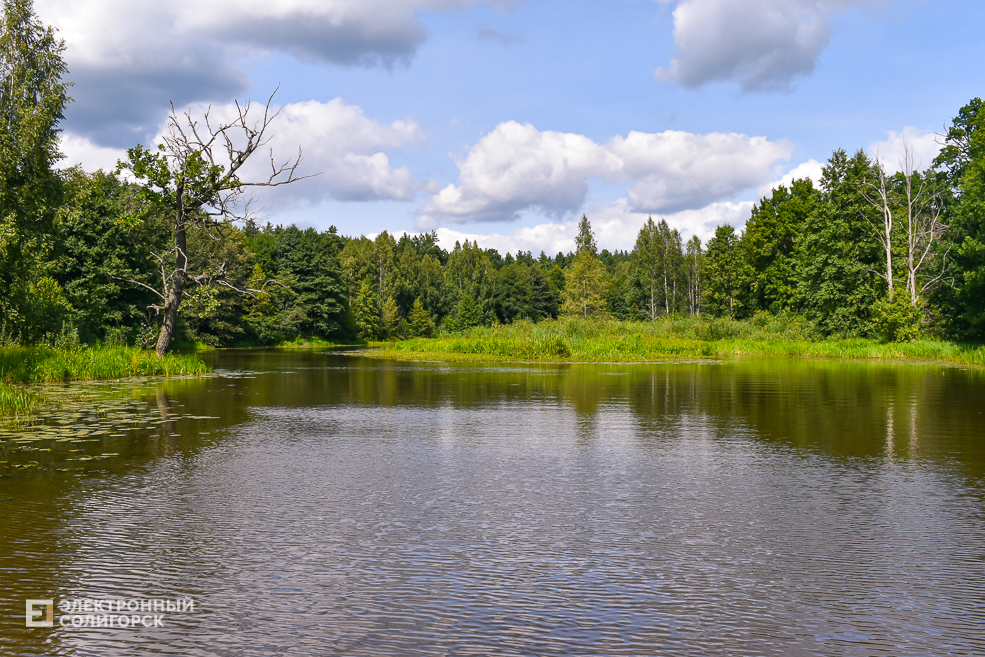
[[319, 504]]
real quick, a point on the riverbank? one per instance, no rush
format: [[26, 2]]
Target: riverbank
[[23, 365], [574, 340], [297, 343]]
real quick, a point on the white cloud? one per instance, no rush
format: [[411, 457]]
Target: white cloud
[[549, 237], [811, 169], [616, 226], [81, 151], [761, 44], [924, 147], [348, 149], [129, 58], [517, 167], [338, 141], [679, 170]]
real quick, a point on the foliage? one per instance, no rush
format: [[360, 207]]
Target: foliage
[[838, 254], [579, 340], [367, 312], [897, 320], [32, 101], [92, 257], [771, 240], [585, 286], [963, 162], [726, 273], [419, 323]]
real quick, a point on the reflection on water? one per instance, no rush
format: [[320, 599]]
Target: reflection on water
[[327, 505]]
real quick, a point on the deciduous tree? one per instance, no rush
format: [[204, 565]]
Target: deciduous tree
[[195, 173]]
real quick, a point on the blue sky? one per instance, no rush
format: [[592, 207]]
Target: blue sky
[[506, 120]]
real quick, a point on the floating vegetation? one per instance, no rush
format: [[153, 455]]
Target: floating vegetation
[[88, 422]]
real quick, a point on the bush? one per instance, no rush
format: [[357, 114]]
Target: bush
[[897, 320]]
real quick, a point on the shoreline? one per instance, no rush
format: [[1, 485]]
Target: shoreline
[[924, 353], [24, 366]]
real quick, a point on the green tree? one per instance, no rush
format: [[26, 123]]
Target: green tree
[[367, 312], [468, 313], [657, 260], [386, 274], [419, 324], [543, 298], [512, 296], [311, 260], [195, 173], [105, 232], [962, 161], [585, 240], [647, 265], [694, 262], [586, 287], [391, 323], [838, 256], [770, 242], [32, 103], [586, 281], [724, 274]]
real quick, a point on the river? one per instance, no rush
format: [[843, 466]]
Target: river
[[323, 504]]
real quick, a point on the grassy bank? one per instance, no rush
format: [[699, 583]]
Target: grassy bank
[[574, 340], [19, 365], [297, 343]]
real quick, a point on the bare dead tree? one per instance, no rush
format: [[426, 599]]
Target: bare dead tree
[[877, 194], [924, 207], [195, 174]]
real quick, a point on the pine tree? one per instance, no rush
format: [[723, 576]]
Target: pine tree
[[367, 312], [420, 324]]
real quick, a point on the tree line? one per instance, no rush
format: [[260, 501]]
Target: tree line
[[166, 247]]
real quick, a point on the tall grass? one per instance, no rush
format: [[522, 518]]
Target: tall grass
[[48, 364], [45, 364], [16, 402], [572, 339]]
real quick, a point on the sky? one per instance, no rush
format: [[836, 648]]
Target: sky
[[505, 120]]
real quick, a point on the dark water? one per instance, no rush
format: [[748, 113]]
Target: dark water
[[319, 504]]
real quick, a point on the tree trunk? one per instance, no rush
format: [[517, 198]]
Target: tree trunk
[[177, 288]]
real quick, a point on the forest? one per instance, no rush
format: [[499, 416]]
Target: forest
[[103, 257]]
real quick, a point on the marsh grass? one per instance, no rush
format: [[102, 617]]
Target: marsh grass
[[20, 365], [16, 402], [578, 340]]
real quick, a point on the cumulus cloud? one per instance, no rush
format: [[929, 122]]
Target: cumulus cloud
[[348, 149], [129, 58], [80, 151], [517, 167], [923, 146], [338, 141], [761, 44], [811, 170], [616, 226]]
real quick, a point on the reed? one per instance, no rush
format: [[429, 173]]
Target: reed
[[20, 365], [16, 402]]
